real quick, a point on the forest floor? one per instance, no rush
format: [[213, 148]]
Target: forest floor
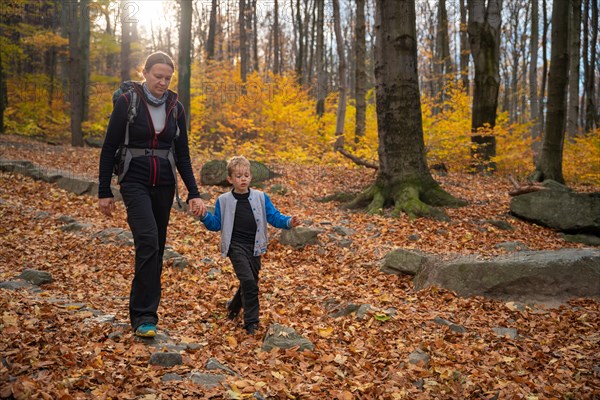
[[48, 352]]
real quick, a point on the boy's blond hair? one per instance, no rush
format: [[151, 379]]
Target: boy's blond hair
[[235, 163]]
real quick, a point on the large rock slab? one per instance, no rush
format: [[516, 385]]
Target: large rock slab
[[544, 276], [214, 172], [76, 184], [402, 261], [563, 210]]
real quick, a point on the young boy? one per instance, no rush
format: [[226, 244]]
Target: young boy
[[242, 215]]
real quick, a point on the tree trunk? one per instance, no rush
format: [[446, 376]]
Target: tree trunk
[[464, 46], [63, 57], [305, 44], [125, 44], [212, 31], [329, 61], [431, 79], [276, 48], [3, 95], [341, 111], [520, 77], [442, 61], [574, 47], [544, 71], [361, 75], [111, 59], [550, 163], [228, 52], [185, 44], [484, 37], [403, 177], [320, 56], [591, 111], [51, 70], [75, 84], [300, 42], [533, 86], [254, 37], [243, 42], [511, 94], [310, 69], [84, 43], [52, 56], [505, 74]]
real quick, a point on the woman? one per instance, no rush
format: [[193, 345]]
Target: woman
[[149, 183]]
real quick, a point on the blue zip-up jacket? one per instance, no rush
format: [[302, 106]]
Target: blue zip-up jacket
[[263, 209]]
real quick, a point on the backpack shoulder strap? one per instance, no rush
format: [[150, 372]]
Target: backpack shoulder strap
[[176, 116], [132, 111]]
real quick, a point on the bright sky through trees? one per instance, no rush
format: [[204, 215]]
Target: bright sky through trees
[[147, 13]]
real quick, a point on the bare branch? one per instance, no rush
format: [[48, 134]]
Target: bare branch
[[522, 189], [339, 146]]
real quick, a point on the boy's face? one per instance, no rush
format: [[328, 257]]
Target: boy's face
[[240, 179]]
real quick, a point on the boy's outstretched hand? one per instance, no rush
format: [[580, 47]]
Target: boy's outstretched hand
[[295, 221]]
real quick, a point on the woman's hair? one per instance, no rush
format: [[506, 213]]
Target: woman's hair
[[235, 163], [158, 58]]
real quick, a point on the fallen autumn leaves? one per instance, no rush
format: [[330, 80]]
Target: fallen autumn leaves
[[48, 351]]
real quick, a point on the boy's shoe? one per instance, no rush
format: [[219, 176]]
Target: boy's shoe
[[251, 329], [146, 329], [231, 314]]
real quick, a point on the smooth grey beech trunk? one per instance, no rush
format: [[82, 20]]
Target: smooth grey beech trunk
[[360, 72], [484, 38], [549, 165]]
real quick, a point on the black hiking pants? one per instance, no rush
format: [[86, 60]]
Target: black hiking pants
[[246, 267], [148, 211]]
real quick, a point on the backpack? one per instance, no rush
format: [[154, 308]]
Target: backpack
[[124, 153]]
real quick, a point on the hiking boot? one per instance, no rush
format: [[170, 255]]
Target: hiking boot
[[146, 329], [231, 314], [251, 329]]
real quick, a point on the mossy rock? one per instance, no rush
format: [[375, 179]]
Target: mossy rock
[[214, 172], [279, 189]]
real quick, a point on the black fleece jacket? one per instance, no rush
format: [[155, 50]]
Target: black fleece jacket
[[149, 170]]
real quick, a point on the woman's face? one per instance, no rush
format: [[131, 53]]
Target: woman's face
[[158, 79]]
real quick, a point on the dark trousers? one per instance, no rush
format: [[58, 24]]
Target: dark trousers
[[148, 211], [246, 267]]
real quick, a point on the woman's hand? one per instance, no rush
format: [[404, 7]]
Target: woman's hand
[[106, 206], [197, 207]]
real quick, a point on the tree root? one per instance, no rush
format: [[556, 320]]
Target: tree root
[[416, 199]]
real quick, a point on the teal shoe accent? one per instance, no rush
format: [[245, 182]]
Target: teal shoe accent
[[146, 330]]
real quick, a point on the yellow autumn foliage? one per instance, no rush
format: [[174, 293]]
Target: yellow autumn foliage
[[269, 117], [447, 134], [273, 118], [581, 159]]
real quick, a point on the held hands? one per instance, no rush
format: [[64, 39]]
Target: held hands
[[106, 206], [197, 207], [295, 221]]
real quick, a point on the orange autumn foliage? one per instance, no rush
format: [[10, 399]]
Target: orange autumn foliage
[[273, 118], [269, 117]]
